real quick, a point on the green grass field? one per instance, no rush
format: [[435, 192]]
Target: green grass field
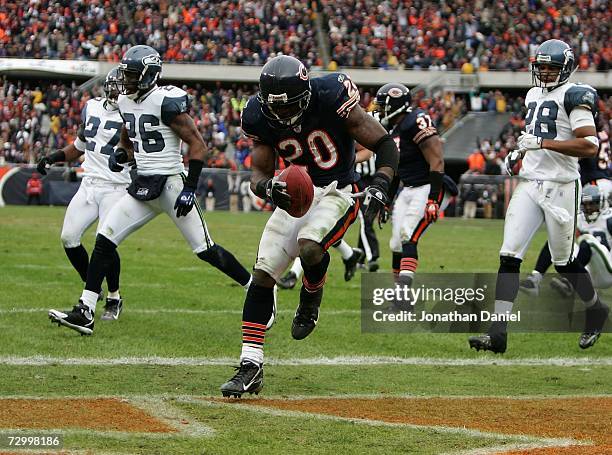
[[179, 337]]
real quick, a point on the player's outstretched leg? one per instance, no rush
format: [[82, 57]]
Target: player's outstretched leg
[[114, 302], [531, 284], [506, 290], [596, 311], [79, 259], [257, 317], [81, 318], [219, 257], [408, 263], [315, 262]]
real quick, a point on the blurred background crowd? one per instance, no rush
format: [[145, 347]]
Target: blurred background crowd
[[470, 35]]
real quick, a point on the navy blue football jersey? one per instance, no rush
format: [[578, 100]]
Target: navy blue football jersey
[[320, 142], [598, 167], [415, 127]]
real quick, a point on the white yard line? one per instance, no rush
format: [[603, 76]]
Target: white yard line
[[522, 440], [171, 311], [312, 361]]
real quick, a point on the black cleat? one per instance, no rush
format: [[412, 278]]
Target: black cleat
[[288, 281], [307, 313], [563, 286], [112, 309], [490, 342], [80, 318], [530, 286], [350, 264], [373, 266], [595, 320], [248, 379]]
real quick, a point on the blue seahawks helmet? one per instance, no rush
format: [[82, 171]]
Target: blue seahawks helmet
[[284, 91], [593, 202], [553, 64], [111, 86], [139, 70]]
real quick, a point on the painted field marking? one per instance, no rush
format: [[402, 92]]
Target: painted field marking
[[522, 441], [173, 311], [40, 360]]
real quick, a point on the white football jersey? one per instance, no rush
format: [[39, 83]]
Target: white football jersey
[[101, 132], [549, 117], [600, 228], [157, 148]]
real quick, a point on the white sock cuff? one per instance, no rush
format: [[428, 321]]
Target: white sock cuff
[[252, 353], [345, 250], [503, 307], [90, 299]]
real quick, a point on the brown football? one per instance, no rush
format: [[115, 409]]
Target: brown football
[[299, 187]]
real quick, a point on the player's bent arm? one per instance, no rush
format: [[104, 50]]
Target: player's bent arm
[[583, 146], [433, 153], [362, 154], [263, 162], [185, 128], [371, 134], [71, 153]]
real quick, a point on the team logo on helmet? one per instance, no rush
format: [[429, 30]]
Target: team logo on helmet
[[151, 60], [303, 73], [395, 92]]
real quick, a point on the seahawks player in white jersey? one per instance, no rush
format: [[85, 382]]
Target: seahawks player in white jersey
[[100, 188], [155, 122], [560, 128], [595, 229]]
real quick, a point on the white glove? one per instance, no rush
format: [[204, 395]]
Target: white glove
[[529, 141], [512, 158]]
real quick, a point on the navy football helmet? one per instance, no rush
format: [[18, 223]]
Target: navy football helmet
[[391, 100], [139, 70], [553, 64], [111, 86], [284, 91], [593, 203]]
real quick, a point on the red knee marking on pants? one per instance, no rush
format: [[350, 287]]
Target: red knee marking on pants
[[352, 216]]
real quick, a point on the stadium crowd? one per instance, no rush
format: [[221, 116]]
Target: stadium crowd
[[471, 36], [39, 116]]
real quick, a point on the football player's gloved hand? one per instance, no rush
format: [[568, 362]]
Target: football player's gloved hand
[[529, 141], [513, 157], [43, 164], [376, 200], [277, 192], [46, 161], [116, 159], [432, 210], [185, 201]]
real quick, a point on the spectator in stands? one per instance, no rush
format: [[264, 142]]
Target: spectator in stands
[[476, 162], [34, 189], [470, 201]]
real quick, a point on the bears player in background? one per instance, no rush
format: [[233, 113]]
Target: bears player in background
[[560, 126], [100, 189], [593, 171], [368, 242], [313, 123], [155, 122], [421, 170]]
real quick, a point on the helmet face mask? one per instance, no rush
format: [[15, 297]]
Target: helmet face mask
[[391, 101], [552, 65], [284, 91], [111, 87]]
